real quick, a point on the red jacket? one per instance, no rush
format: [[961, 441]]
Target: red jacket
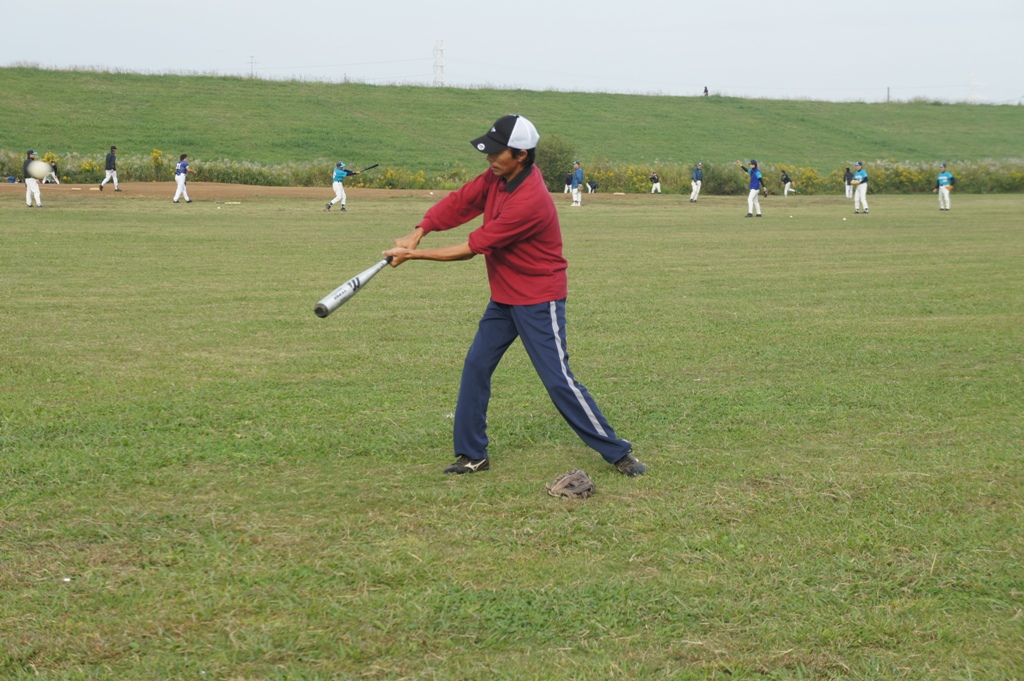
[[520, 238]]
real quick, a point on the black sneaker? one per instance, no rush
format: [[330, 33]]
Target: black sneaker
[[630, 466], [749, 215], [343, 208], [327, 207], [865, 211], [101, 187], [117, 190], [857, 212], [464, 464], [758, 215], [188, 200]]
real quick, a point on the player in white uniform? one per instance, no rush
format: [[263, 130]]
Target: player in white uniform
[[31, 183], [181, 172]]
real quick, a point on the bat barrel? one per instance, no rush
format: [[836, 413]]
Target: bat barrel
[[341, 295]]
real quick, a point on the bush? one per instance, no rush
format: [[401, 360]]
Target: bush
[[554, 158]]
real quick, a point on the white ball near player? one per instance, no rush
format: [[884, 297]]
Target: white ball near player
[[39, 169]]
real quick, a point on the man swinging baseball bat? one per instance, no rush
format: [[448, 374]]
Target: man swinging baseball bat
[[521, 241]]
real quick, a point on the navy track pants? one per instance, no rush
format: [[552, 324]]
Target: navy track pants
[[542, 330]]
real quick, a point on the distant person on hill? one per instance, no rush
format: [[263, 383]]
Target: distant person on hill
[[111, 167], [705, 90], [181, 171], [756, 186], [848, 179], [787, 184], [943, 186], [860, 188], [697, 181], [577, 184], [521, 242], [31, 183], [339, 185], [655, 182], [568, 182]]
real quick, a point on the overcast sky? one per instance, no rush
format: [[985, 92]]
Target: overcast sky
[[864, 50]]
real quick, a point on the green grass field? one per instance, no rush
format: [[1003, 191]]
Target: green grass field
[[202, 480]]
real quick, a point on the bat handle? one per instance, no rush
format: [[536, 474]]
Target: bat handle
[[389, 259]]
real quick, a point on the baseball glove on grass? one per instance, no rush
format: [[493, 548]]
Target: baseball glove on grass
[[575, 484]]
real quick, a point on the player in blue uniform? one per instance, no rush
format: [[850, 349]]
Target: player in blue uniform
[[340, 173], [577, 184], [860, 188], [756, 185], [181, 171], [697, 177], [945, 184]]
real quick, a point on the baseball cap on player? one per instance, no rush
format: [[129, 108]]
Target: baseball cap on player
[[753, 162], [700, 165], [339, 164], [859, 164], [508, 131], [113, 148], [31, 153], [942, 165]]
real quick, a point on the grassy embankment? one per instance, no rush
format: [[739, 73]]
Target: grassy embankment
[[289, 132]]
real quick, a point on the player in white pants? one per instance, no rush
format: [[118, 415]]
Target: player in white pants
[[111, 168], [577, 184], [31, 183], [787, 185], [756, 185], [860, 189], [943, 185], [697, 178], [181, 172], [655, 183]]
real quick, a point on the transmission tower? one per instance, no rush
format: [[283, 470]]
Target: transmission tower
[[439, 63]]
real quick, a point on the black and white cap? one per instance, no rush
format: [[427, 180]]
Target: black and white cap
[[508, 131]]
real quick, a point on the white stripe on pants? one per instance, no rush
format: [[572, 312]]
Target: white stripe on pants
[[32, 190], [339, 193], [944, 198], [180, 179], [860, 196], [753, 203], [695, 192]]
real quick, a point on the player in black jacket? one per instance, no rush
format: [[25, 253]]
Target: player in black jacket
[[111, 167]]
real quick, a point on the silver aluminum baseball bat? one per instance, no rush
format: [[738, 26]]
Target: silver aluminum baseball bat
[[343, 293]]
